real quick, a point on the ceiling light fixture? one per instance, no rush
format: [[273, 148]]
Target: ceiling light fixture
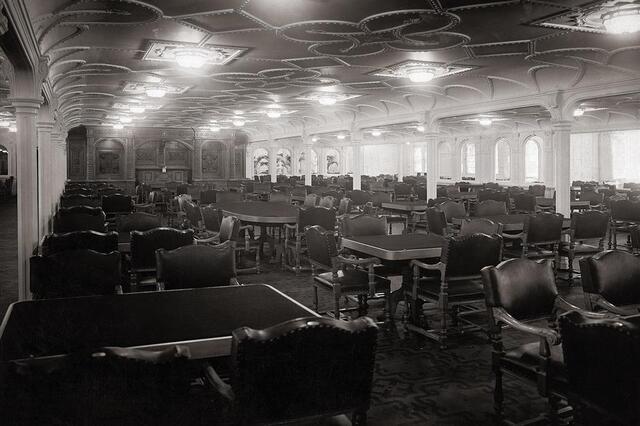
[[118, 126], [623, 20], [191, 57], [578, 112], [156, 91], [125, 119], [238, 112], [327, 100], [314, 139], [484, 121], [5, 123], [214, 129], [420, 74], [341, 136], [13, 128], [420, 128], [376, 133], [273, 114], [137, 109], [238, 123]]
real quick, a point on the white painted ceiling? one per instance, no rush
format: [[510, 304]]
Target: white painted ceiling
[[103, 52]]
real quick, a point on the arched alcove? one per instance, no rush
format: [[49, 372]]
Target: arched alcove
[[110, 159], [502, 160], [333, 162], [468, 159], [283, 162], [314, 162], [533, 159], [445, 160], [260, 162]]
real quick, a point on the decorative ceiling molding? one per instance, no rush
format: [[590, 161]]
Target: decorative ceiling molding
[[160, 50]]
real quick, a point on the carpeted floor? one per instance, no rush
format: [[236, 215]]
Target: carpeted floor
[[415, 383]]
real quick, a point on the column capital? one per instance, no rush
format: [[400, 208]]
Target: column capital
[[45, 125], [559, 125], [26, 105]]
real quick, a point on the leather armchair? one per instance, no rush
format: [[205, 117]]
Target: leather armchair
[[329, 368], [604, 380], [518, 294], [89, 240], [480, 226], [79, 218], [72, 200], [294, 241], [117, 204], [588, 231], [363, 225], [491, 208], [138, 221], [610, 281], [196, 266], [73, 273], [346, 276], [242, 238], [624, 215], [453, 284]]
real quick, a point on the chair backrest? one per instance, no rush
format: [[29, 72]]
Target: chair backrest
[[229, 229], [145, 243], [192, 212], [525, 288], [537, 190], [601, 358], [262, 187], [345, 206], [491, 208], [363, 225], [432, 202], [589, 224], [379, 197], [73, 200], [74, 273], [138, 221], [228, 197], [80, 191], [593, 197], [316, 216], [544, 228], [117, 203], [322, 247], [79, 218], [466, 255], [327, 201], [524, 202], [614, 275], [359, 197], [311, 200], [491, 194], [625, 210], [196, 266], [452, 209], [279, 197], [402, 190], [212, 218], [89, 240], [303, 368], [480, 226], [208, 196], [436, 221]]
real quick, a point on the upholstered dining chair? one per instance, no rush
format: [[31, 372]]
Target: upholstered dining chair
[[402, 191], [143, 251], [588, 231], [117, 204], [610, 281], [363, 225], [196, 266], [207, 196], [519, 292], [359, 198], [346, 275], [137, 221], [452, 209], [72, 200], [295, 242], [77, 240], [595, 199], [72, 273], [212, 218], [490, 208], [327, 201], [329, 368], [311, 200], [604, 381], [524, 203], [79, 218], [480, 226], [453, 284], [625, 214]]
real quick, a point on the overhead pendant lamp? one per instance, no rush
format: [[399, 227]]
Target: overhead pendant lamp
[[118, 126], [420, 74], [484, 121], [156, 91], [137, 109], [191, 57], [327, 100]]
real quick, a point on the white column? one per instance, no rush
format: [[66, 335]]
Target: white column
[[561, 147], [273, 158], [401, 161], [356, 141], [605, 158], [432, 169], [45, 163], [26, 110], [308, 147]]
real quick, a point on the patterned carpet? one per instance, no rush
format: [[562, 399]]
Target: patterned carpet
[[416, 383]]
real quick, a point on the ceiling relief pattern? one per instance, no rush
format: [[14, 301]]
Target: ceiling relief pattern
[[271, 64]]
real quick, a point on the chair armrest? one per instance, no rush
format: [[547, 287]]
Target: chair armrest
[[549, 335], [518, 236], [218, 384], [430, 266], [288, 226], [562, 304], [234, 281], [358, 261], [616, 310], [214, 239]]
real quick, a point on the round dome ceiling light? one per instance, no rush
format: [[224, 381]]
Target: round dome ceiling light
[[137, 109], [156, 91], [314, 139], [238, 122], [376, 133], [420, 129], [624, 20], [578, 112], [13, 128], [341, 136], [273, 114], [191, 57], [118, 126], [125, 119], [214, 129], [420, 74], [5, 123], [327, 100], [484, 121]]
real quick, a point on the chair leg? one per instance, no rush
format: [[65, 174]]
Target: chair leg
[[498, 397], [443, 314], [258, 260], [315, 298], [359, 418], [337, 306], [570, 260]]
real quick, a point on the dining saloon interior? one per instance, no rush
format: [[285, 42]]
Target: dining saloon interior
[[393, 212]]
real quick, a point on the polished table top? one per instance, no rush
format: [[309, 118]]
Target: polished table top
[[406, 206], [260, 211], [397, 247], [510, 222], [201, 319]]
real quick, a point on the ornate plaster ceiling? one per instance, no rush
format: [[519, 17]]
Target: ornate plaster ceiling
[[285, 53]]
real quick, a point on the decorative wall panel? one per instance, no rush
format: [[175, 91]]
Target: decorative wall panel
[[110, 159]]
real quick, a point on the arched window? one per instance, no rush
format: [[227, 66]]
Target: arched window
[[261, 162], [283, 162], [502, 157], [418, 157], [314, 163], [333, 162], [4, 160], [532, 157], [445, 161], [468, 157]]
